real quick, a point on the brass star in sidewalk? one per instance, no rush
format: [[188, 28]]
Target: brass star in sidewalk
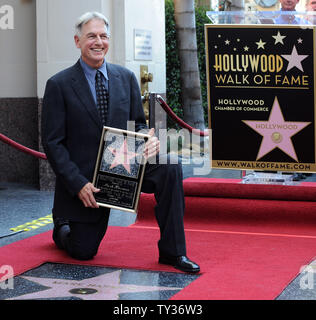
[[104, 287]]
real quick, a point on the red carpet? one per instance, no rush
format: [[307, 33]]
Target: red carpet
[[247, 248]]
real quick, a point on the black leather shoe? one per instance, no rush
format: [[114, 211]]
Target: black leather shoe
[[181, 262], [60, 231]]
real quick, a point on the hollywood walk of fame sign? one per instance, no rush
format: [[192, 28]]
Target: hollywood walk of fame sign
[[261, 95], [119, 169]]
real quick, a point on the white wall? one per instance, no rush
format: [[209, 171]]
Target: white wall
[[55, 31], [56, 49], [18, 51], [145, 15]]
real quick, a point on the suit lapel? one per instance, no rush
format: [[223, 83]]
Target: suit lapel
[[82, 89], [114, 85]]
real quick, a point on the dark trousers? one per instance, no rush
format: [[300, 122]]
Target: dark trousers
[[165, 181]]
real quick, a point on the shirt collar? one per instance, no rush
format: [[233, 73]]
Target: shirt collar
[[91, 72]]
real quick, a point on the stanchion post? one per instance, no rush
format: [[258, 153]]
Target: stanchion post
[[157, 116], [152, 104]]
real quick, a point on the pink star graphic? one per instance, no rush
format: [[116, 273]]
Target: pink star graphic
[[276, 132], [122, 156], [294, 59], [103, 287]]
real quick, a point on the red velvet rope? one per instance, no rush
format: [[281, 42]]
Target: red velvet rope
[[174, 117], [22, 148], [163, 104]]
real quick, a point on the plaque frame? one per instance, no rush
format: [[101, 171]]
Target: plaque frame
[[121, 182]]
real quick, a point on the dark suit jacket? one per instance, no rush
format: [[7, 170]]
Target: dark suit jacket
[[71, 131]]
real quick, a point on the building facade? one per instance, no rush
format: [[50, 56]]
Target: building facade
[[36, 38]]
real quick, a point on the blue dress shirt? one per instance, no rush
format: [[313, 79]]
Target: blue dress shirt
[[90, 75]]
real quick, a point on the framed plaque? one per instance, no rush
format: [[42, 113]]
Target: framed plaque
[[120, 169]]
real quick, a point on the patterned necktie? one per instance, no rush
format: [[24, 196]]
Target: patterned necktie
[[102, 97]]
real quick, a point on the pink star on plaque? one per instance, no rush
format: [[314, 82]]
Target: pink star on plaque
[[276, 132], [122, 156]]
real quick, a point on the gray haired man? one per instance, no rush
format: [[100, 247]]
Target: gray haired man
[[71, 131]]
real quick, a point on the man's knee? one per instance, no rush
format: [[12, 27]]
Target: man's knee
[[174, 171], [81, 250]]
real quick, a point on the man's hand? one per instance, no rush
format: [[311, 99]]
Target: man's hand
[[152, 146], [87, 197]]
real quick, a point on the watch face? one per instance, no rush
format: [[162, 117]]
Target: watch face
[[266, 3]]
